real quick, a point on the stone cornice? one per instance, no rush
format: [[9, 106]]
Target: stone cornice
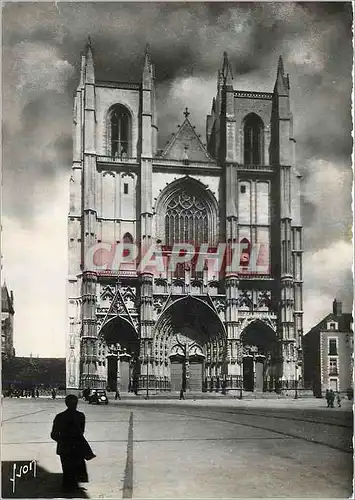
[[116, 162], [118, 85], [192, 167], [253, 95]]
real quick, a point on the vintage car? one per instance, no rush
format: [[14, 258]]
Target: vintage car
[[98, 396]]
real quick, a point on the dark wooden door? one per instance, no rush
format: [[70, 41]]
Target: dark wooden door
[[259, 375], [112, 373], [176, 375], [124, 376], [196, 375], [248, 374]]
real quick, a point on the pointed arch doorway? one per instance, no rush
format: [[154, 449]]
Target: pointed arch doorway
[[123, 352], [190, 345], [259, 356]]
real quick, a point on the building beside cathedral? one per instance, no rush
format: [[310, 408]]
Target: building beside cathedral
[[329, 353], [184, 326]]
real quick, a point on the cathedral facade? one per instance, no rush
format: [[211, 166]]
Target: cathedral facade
[[186, 326]]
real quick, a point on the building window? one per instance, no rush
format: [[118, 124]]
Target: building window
[[119, 131], [125, 188], [333, 384], [253, 140], [243, 189], [332, 326], [332, 347], [333, 366]]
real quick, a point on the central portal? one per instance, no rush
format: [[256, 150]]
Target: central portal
[[190, 345]]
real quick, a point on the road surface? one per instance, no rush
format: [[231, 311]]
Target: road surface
[[187, 449]]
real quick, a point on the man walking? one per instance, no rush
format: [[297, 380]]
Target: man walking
[[338, 399], [72, 447], [327, 397]]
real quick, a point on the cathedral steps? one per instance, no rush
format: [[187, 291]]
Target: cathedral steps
[[205, 395]]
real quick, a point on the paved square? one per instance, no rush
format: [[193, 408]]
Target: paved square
[[188, 449]]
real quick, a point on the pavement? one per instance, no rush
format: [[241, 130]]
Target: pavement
[[186, 449]]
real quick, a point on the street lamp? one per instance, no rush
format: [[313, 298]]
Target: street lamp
[[184, 368], [114, 349], [240, 361], [148, 359], [185, 350]]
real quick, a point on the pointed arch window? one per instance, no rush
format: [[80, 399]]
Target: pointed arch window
[[127, 240], [253, 140], [186, 219], [119, 132]]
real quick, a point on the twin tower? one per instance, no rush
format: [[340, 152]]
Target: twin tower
[[191, 327]]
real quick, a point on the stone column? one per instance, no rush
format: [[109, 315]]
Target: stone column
[[147, 323], [231, 315], [89, 376]]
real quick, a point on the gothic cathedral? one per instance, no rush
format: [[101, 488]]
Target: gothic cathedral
[[213, 328]]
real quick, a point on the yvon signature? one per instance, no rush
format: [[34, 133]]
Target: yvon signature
[[19, 471]]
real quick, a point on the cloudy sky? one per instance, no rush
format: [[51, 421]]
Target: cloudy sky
[[41, 52]]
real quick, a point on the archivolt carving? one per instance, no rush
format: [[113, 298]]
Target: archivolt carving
[[247, 321], [135, 321], [180, 343]]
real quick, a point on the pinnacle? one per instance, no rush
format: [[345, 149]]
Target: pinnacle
[[89, 44], [280, 66]]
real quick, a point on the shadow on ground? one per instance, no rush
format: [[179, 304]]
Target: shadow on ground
[[44, 485]]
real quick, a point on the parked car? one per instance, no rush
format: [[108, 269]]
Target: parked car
[[98, 396]]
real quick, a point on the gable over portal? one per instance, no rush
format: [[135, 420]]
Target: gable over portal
[[186, 145]]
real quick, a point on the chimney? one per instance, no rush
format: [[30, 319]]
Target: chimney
[[337, 307]]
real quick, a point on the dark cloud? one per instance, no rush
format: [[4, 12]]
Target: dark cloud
[[323, 9], [43, 41]]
